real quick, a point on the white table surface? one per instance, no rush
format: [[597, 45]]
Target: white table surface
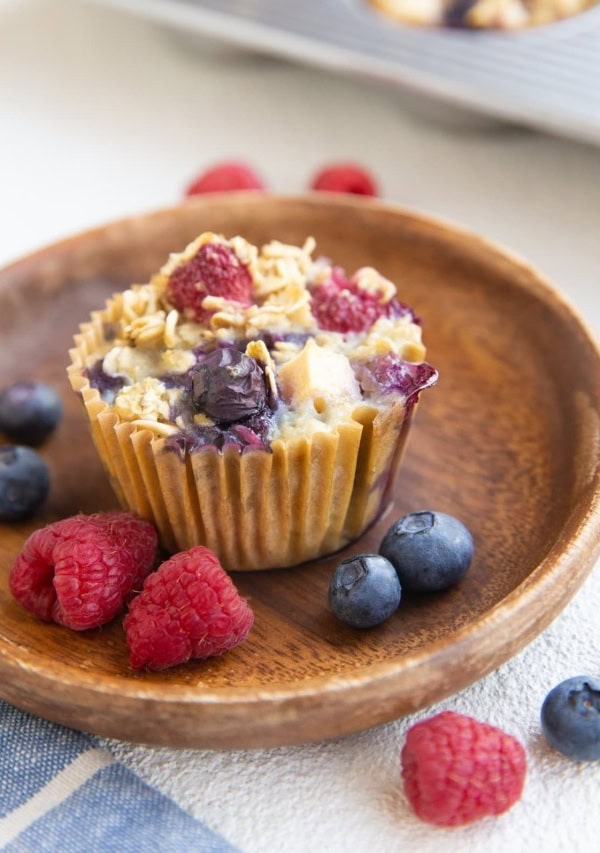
[[102, 115]]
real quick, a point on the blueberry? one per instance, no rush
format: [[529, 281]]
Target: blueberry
[[456, 14], [364, 590], [388, 374], [109, 386], [24, 482], [571, 718], [429, 550], [228, 385], [29, 411]]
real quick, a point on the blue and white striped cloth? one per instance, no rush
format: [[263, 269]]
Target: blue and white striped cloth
[[61, 791]]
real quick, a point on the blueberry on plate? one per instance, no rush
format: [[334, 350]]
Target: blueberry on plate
[[430, 550], [364, 591], [29, 411], [571, 718], [24, 482]]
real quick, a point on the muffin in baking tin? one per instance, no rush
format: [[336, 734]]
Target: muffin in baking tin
[[496, 14]]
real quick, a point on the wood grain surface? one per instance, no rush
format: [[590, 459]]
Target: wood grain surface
[[508, 441]]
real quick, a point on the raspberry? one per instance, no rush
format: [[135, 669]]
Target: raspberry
[[189, 608], [80, 571], [215, 270], [344, 178], [457, 770], [224, 177], [340, 305]]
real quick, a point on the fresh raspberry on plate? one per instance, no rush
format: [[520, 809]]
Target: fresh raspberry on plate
[[225, 177], [189, 608], [457, 770], [215, 270], [344, 178], [340, 305], [79, 572]]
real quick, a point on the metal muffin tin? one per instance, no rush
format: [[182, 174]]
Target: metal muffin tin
[[547, 77]]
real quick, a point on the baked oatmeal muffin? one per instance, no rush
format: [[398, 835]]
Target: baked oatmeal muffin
[[498, 14], [254, 401]]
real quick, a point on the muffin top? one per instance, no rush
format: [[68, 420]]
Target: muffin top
[[229, 344]]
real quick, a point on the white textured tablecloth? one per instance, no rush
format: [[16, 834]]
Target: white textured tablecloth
[[103, 115]]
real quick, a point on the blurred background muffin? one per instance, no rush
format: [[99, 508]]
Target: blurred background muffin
[[494, 14]]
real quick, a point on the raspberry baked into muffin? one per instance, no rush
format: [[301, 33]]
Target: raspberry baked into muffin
[[254, 401], [497, 14]]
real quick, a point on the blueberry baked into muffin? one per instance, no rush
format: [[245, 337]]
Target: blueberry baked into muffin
[[495, 14], [256, 401]]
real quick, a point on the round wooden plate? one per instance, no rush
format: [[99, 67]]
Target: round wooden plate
[[508, 441]]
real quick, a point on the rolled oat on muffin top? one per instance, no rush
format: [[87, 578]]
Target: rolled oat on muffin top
[[256, 401]]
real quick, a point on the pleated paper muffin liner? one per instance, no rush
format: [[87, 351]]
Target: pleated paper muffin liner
[[257, 509]]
